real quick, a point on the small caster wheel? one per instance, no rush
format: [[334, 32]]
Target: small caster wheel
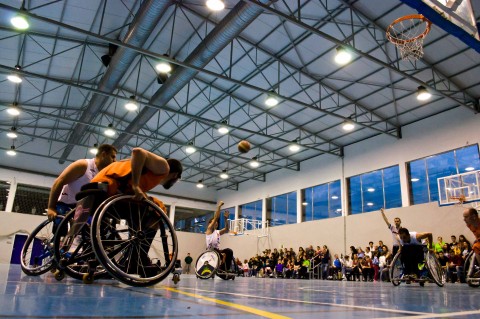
[[53, 270], [176, 278], [233, 277], [59, 275], [87, 279], [422, 284]]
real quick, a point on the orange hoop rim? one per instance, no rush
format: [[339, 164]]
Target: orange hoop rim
[[408, 17], [459, 198]]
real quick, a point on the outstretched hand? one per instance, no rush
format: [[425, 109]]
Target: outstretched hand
[[138, 193], [226, 214], [51, 214], [220, 203]]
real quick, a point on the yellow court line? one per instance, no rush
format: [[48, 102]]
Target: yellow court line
[[255, 311]]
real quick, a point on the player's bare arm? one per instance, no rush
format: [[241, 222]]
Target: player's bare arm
[[73, 172]]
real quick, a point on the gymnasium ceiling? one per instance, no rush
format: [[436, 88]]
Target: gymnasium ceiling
[[227, 62]]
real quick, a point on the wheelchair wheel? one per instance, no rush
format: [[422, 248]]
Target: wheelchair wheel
[[435, 269], [396, 270], [129, 235], [207, 264], [37, 252], [471, 268], [79, 260]]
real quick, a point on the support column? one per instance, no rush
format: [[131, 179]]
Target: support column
[[299, 206], [11, 195], [404, 184], [171, 214], [264, 211]]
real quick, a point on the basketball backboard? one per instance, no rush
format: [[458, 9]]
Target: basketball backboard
[[457, 17], [459, 189]]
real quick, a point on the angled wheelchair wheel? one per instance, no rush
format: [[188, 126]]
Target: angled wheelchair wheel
[[435, 269], [134, 240], [37, 252], [77, 258], [207, 264], [396, 270], [472, 269]]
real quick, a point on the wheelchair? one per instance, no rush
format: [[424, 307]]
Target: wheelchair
[[36, 257], [132, 241], [431, 270], [472, 270], [209, 264]]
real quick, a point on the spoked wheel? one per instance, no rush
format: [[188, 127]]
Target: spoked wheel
[[77, 259], [37, 252], [207, 264], [471, 270], [134, 240], [435, 269], [396, 270]]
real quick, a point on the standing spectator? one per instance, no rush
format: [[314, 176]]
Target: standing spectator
[[353, 251], [375, 266], [188, 261], [394, 230], [325, 261], [310, 252]]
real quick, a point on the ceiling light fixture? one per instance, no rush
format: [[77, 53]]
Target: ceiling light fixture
[[190, 149], [414, 179], [12, 133], [12, 151], [132, 104], [348, 125], [20, 22], [110, 131], [469, 169], [370, 189], [305, 204], [423, 94], [334, 197], [200, 184], [13, 110], [215, 5], [14, 77], [294, 146], [163, 67], [223, 129], [224, 174], [94, 149], [271, 99], [254, 162], [343, 56]]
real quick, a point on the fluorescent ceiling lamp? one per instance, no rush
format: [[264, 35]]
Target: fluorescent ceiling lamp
[[215, 5], [423, 94], [19, 22], [294, 147], [94, 149], [12, 133], [190, 149], [343, 56], [200, 184], [11, 151], [223, 129]]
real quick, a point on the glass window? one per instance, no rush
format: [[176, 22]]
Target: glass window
[[374, 190], [31, 200], [4, 189], [423, 173], [282, 209], [251, 210], [322, 201], [191, 220]]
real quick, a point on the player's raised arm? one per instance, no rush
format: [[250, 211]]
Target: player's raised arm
[[384, 217]]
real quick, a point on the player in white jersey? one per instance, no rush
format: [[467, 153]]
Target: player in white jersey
[[412, 255], [394, 230], [77, 174], [213, 237]]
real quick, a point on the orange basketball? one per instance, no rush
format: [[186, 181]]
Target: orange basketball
[[243, 146]]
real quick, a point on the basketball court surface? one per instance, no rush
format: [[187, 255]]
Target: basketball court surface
[[43, 297]]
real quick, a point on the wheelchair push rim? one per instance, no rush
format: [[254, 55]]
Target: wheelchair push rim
[[135, 224], [435, 269], [207, 264], [39, 241], [471, 268], [396, 270]]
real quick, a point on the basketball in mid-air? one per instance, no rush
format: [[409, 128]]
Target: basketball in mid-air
[[243, 146]]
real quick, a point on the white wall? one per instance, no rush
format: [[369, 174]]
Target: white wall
[[446, 131]]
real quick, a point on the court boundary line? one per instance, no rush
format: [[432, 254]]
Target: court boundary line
[[315, 302], [440, 315]]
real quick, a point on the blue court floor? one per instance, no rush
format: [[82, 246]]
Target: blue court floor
[[44, 297]]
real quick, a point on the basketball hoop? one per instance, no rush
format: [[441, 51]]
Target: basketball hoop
[[407, 33], [461, 199]]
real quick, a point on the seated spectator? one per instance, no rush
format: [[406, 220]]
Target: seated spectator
[[439, 245], [367, 269], [289, 269], [355, 268], [380, 246], [442, 259], [383, 266], [360, 253], [336, 269], [279, 269], [455, 268], [347, 268], [304, 268], [296, 267], [353, 251], [368, 252], [309, 252], [466, 248]]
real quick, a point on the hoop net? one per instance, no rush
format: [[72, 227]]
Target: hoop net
[[407, 33]]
